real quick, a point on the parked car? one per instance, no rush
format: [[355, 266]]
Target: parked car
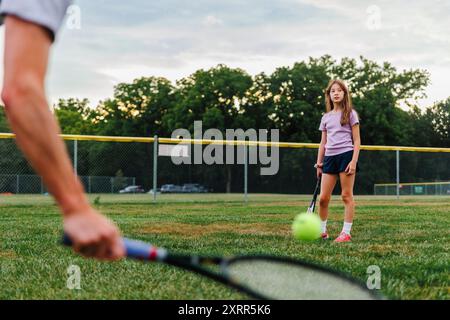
[[158, 191], [132, 189], [194, 188], [170, 188]]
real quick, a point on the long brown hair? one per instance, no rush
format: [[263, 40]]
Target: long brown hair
[[346, 103]]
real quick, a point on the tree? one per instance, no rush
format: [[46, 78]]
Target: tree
[[219, 97], [432, 127], [378, 90], [136, 110], [74, 116], [298, 99], [291, 99], [4, 125]]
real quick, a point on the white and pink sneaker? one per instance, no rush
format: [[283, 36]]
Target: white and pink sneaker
[[343, 237]]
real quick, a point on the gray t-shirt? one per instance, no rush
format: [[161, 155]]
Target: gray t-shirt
[[47, 13]]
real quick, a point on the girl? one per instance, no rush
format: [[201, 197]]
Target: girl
[[338, 154]]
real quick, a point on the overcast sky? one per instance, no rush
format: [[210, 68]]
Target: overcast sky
[[122, 40]]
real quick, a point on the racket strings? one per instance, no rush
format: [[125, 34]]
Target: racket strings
[[278, 280]]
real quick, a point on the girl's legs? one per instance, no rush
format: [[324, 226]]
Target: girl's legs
[[347, 183], [326, 189]]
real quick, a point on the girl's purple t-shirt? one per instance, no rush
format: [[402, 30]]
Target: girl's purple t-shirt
[[339, 138]]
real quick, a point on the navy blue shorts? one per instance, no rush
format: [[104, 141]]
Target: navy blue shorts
[[338, 163]]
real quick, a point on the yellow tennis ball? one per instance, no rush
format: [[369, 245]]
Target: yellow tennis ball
[[306, 226]]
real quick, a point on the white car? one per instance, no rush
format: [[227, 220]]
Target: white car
[[132, 189], [158, 191], [170, 188]]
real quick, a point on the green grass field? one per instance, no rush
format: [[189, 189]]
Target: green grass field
[[408, 239]]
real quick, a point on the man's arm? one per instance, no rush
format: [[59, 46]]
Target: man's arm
[[27, 47]]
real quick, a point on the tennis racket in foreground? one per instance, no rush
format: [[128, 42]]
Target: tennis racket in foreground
[[259, 276]]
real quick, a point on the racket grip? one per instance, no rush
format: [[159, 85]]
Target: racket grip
[[134, 249]]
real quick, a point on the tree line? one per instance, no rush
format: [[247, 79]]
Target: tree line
[[291, 99]]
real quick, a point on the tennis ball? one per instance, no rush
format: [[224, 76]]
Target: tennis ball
[[306, 227]]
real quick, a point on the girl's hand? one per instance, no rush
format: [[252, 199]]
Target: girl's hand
[[319, 172], [351, 168], [319, 169]]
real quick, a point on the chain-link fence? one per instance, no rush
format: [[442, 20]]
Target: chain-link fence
[[296, 174], [33, 184], [135, 165], [100, 167], [414, 189]]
